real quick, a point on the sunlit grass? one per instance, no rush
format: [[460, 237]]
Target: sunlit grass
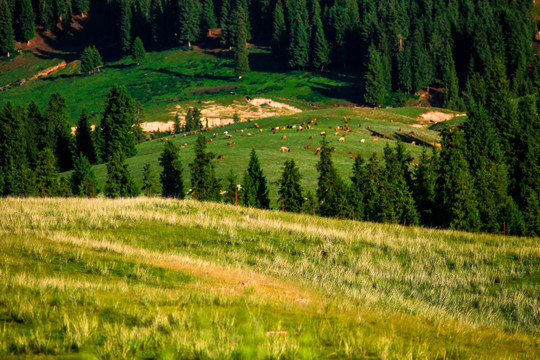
[[182, 279]]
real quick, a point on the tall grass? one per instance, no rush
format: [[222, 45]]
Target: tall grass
[[182, 279]]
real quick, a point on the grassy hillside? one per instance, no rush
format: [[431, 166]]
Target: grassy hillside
[[181, 279], [393, 123], [178, 76]]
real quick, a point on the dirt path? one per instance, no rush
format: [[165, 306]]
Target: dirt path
[[49, 70], [272, 103]]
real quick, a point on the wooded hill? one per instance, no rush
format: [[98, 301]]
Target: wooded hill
[[399, 46]]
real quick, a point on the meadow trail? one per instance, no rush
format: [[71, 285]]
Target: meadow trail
[[49, 71]]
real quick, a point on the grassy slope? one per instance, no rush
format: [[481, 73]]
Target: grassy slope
[[181, 279], [177, 73], [268, 145]]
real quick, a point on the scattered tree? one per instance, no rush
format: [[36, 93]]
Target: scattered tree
[[172, 182]]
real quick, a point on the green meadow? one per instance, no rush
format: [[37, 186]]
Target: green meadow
[[167, 279]]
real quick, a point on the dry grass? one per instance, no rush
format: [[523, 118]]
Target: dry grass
[[182, 279]]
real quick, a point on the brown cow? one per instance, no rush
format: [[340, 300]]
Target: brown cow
[[221, 157], [308, 147], [285, 149], [283, 137], [228, 136], [209, 140], [230, 143], [311, 138], [248, 134]]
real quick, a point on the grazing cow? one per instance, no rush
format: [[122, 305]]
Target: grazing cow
[[260, 130], [174, 136], [341, 139], [221, 157], [333, 149], [215, 135], [323, 133], [412, 133], [311, 137], [349, 153], [228, 136], [248, 134], [330, 127], [185, 144], [359, 125], [294, 126], [391, 121], [414, 143], [256, 126], [369, 127], [236, 131], [230, 143], [354, 156], [284, 149], [300, 128], [209, 140], [399, 129], [363, 141], [376, 139], [336, 134], [185, 135], [308, 126], [225, 132], [283, 137], [308, 147], [383, 120]]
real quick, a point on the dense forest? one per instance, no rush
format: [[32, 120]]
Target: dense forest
[[398, 46]]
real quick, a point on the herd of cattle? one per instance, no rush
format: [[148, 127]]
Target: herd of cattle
[[339, 131]]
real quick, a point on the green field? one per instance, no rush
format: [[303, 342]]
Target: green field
[[83, 278], [393, 125], [178, 76]]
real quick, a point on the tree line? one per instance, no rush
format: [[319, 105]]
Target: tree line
[[397, 46]]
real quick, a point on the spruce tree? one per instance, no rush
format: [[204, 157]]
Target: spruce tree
[[80, 6], [125, 26], [117, 123], [151, 185], [425, 178], [290, 190], [96, 59], [241, 60], [157, 23], [331, 190], [455, 186], [177, 124], [45, 13], [356, 195], [87, 61], [12, 147], [299, 44], [60, 139], [99, 143], [83, 179], [255, 188], [208, 17], [189, 20], [119, 183], [7, 42], [47, 174], [203, 176], [320, 51], [31, 129], [232, 188], [172, 183], [375, 90], [450, 81], [26, 18], [138, 53], [84, 144], [279, 33]]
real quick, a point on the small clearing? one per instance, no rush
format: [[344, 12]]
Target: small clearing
[[437, 116], [157, 126], [272, 103]]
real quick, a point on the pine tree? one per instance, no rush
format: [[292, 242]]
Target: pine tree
[[241, 60], [80, 6], [425, 178], [96, 59], [232, 188], [320, 51], [172, 182], [299, 45], [203, 176], [208, 18], [31, 129], [44, 13], [117, 123], [60, 139], [99, 143], [138, 53], [279, 33], [255, 189], [290, 191], [356, 195], [87, 61], [25, 25], [83, 179], [7, 43], [177, 124], [189, 21], [226, 22], [375, 90], [47, 174], [157, 23], [84, 143], [119, 183], [12, 146], [455, 191], [151, 185], [401, 206], [331, 190], [450, 80], [125, 26]]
